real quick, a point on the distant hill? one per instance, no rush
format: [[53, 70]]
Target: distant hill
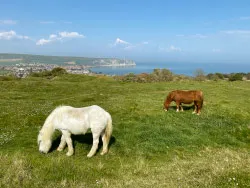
[[12, 59]]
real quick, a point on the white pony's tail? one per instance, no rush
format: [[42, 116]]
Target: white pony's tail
[[108, 130]]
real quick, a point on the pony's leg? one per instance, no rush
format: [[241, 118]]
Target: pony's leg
[[195, 108], [177, 106], [62, 144], [198, 109], [68, 140], [181, 108], [95, 144]]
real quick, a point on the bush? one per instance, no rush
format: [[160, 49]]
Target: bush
[[50, 74], [213, 77], [248, 76], [162, 75], [41, 74], [158, 75], [220, 76], [236, 77], [58, 71], [199, 75]]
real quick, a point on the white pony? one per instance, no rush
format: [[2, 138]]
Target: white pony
[[70, 120]]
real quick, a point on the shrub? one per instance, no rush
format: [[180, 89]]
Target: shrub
[[131, 77], [213, 77], [220, 76], [143, 77], [236, 77], [41, 74], [50, 74], [199, 75], [181, 77], [248, 76], [58, 71], [162, 75]]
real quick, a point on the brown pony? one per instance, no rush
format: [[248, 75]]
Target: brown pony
[[185, 97]]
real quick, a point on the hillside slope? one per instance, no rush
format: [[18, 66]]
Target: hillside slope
[[8, 59], [149, 147]]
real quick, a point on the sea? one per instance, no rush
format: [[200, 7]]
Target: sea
[[177, 68]]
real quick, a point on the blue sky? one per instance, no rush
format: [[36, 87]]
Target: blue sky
[[145, 31]]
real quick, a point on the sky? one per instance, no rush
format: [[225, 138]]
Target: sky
[[203, 31]]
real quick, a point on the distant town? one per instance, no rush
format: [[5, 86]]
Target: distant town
[[22, 70]]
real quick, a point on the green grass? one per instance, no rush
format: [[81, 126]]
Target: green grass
[[149, 147]]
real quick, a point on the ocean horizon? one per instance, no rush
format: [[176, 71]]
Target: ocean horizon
[[176, 68]]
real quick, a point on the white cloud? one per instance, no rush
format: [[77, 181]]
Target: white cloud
[[23, 37], [130, 47], [47, 22], [8, 22], [125, 45], [172, 48], [43, 41], [199, 36], [119, 41], [8, 35], [53, 36], [193, 36], [70, 35], [59, 37], [240, 32]]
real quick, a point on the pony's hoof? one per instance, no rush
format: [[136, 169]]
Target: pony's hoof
[[89, 156], [59, 149], [104, 152], [69, 154]]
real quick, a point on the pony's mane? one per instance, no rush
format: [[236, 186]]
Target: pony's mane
[[170, 95]]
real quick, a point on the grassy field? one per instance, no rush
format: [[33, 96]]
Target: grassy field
[[149, 147]]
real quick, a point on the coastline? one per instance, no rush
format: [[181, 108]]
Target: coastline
[[113, 65], [177, 68]]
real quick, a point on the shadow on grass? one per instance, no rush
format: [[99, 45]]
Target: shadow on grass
[[184, 107], [83, 139]]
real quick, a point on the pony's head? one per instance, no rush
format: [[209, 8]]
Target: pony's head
[[167, 102], [44, 142]]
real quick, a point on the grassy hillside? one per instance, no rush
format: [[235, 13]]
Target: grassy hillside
[[149, 147]]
